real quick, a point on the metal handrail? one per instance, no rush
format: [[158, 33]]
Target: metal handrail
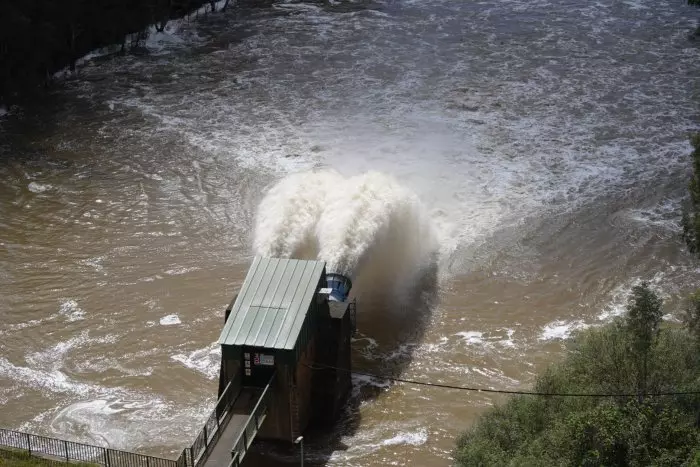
[[206, 439], [223, 394], [70, 451], [236, 454], [100, 455]]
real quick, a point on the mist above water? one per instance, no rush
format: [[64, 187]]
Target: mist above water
[[354, 223]]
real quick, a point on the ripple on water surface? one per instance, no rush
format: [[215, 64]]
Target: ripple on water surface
[[509, 120]]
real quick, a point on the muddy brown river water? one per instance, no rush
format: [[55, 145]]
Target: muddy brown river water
[[547, 140]]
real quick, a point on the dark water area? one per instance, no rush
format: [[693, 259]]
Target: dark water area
[[39, 37], [546, 140]]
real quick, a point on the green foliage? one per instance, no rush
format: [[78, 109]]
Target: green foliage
[[691, 319], [583, 431], [691, 214], [642, 322], [696, 459], [643, 317], [13, 458]]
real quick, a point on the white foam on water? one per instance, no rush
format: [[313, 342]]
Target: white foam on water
[[358, 381], [181, 270], [382, 435], [508, 341], [367, 346], [206, 361], [176, 34], [159, 42], [170, 320], [95, 263], [496, 375], [58, 359], [8, 328], [53, 357], [35, 187], [416, 438], [71, 310], [118, 422], [560, 329], [53, 381], [666, 214], [666, 283], [471, 337], [491, 340]]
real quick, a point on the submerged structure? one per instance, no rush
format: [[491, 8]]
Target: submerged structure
[[285, 357]]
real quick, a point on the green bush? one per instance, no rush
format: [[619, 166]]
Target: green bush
[[691, 213], [621, 358], [14, 458]]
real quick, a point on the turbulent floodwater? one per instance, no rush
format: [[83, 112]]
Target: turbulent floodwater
[[547, 141], [356, 225]]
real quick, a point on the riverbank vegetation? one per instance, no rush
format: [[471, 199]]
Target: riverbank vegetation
[[691, 213], [11, 458], [40, 37], [636, 356]]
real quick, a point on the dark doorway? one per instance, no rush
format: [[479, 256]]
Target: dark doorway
[[258, 366]]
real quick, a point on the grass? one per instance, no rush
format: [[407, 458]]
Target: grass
[[12, 458]]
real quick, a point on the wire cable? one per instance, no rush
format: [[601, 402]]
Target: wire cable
[[318, 366]]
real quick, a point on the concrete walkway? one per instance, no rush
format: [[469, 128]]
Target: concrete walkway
[[242, 409]]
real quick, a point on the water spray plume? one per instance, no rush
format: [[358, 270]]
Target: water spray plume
[[288, 214], [360, 225], [372, 211]]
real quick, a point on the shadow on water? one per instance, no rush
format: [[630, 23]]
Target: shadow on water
[[78, 103], [391, 327], [72, 118]]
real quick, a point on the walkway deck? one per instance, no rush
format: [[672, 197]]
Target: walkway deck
[[241, 411]]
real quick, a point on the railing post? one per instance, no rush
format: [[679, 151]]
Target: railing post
[[65, 445], [206, 436], [191, 456], [29, 443], [104, 453]]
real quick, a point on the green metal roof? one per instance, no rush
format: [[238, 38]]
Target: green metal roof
[[272, 303]]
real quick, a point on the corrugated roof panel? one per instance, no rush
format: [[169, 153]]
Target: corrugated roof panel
[[290, 302], [272, 303], [278, 284], [232, 332], [270, 338], [287, 286], [267, 326], [307, 287]]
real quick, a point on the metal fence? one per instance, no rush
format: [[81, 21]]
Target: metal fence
[[250, 430], [211, 431], [70, 451]]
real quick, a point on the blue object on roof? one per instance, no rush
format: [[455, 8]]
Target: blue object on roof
[[340, 286]]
